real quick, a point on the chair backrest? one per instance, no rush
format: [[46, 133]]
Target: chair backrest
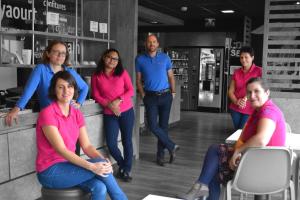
[[264, 170], [288, 128]]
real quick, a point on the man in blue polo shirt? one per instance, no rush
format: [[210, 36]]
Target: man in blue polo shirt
[[155, 70]]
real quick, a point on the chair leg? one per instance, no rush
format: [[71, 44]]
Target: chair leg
[[241, 196], [228, 191], [292, 191], [285, 194], [269, 197], [223, 192]]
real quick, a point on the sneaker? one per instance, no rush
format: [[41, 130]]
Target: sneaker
[[197, 191]]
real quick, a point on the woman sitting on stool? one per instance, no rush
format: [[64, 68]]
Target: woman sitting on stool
[[58, 127], [265, 127]]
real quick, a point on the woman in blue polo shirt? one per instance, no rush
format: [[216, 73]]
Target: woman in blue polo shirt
[[55, 59]]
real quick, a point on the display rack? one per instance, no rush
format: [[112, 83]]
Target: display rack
[[81, 41]]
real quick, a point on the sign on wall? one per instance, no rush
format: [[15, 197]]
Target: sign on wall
[[19, 13]]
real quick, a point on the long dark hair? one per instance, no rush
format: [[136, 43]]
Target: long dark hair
[[48, 50], [64, 75], [101, 65]]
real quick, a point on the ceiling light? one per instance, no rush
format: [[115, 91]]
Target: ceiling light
[[184, 8], [154, 22], [227, 11], [298, 2]]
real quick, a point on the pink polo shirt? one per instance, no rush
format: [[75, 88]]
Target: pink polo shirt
[[108, 88], [68, 128], [241, 79], [271, 111]]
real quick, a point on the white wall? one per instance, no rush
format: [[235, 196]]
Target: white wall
[[291, 109], [8, 77]]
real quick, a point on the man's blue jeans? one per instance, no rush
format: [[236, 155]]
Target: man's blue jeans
[[238, 119], [66, 175], [158, 109], [112, 125]]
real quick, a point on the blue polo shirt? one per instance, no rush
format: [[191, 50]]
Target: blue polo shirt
[[154, 70], [40, 79]]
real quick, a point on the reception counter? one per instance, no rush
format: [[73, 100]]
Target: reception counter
[[18, 151]]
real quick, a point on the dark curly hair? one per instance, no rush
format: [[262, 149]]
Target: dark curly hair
[[64, 75], [101, 65], [247, 49]]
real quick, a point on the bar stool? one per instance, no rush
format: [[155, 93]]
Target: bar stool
[[74, 193]]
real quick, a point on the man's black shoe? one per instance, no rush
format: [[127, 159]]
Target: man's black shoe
[[173, 153], [126, 177], [120, 174], [160, 162]]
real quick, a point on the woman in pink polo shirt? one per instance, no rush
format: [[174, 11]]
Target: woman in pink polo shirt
[[240, 108], [265, 127], [59, 126], [112, 89]]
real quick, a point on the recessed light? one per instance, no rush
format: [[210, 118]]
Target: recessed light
[[298, 2], [227, 11], [184, 8], [154, 22]]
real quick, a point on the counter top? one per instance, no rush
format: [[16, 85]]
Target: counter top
[[27, 118]]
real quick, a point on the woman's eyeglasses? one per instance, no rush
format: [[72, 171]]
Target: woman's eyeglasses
[[59, 53], [112, 58]]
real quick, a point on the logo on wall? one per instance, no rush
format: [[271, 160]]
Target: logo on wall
[[19, 13], [234, 54], [235, 49]]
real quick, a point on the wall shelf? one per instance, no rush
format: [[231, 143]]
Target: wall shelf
[[180, 59], [74, 26], [40, 33]]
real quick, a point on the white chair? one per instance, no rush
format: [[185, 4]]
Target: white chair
[[288, 128], [262, 171]]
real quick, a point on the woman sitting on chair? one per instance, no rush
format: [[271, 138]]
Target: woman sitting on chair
[[58, 127], [265, 127]]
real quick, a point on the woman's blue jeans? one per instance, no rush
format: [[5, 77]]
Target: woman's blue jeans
[[112, 125], [66, 175], [210, 172], [238, 119]]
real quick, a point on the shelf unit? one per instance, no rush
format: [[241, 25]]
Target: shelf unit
[[180, 59], [180, 68], [79, 41]]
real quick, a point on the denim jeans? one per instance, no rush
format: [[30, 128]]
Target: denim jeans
[[157, 112], [65, 175], [238, 119], [210, 172], [112, 125]]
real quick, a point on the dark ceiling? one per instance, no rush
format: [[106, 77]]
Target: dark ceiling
[[197, 10]]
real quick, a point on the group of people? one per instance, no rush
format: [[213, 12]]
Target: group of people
[[61, 125]]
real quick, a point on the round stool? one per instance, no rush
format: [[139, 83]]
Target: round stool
[[74, 193]]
